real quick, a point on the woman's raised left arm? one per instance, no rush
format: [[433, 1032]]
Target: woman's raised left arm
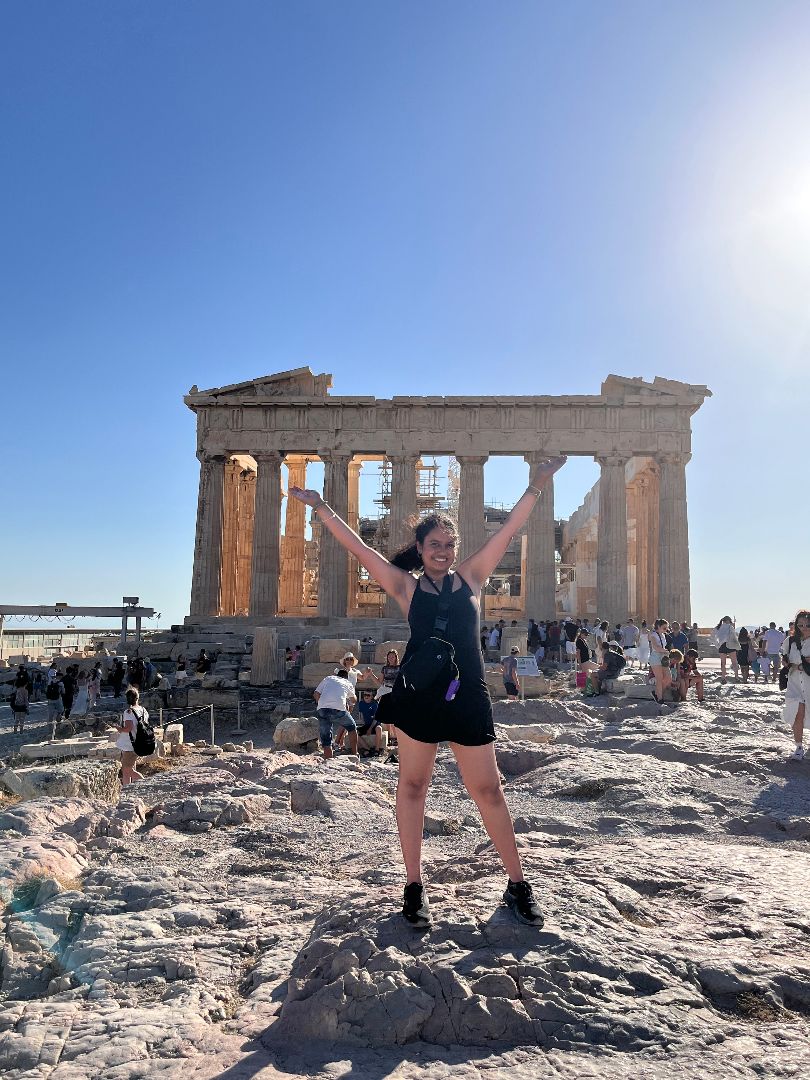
[[478, 567]]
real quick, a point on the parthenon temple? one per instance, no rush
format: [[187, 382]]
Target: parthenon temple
[[624, 552]]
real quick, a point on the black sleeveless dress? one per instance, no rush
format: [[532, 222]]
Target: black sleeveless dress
[[426, 716]]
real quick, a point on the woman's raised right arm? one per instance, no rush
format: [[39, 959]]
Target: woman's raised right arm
[[397, 583]]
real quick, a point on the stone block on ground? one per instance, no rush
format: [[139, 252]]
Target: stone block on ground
[[513, 635], [332, 650], [640, 692], [381, 650], [76, 779], [313, 673], [173, 734], [295, 731]]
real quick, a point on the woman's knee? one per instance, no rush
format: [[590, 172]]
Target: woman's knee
[[414, 786], [488, 793]]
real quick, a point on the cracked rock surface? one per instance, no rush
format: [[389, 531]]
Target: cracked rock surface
[[238, 918]]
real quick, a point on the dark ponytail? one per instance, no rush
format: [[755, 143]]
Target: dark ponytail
[[408, 558]]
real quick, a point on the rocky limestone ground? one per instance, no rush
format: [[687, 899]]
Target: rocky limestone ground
[[237, 917]]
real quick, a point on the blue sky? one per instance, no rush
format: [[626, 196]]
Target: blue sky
[[418, 198]]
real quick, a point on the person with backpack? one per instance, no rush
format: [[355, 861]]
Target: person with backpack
[[53, 696], [19, 702], [133, 721], [440, 694]]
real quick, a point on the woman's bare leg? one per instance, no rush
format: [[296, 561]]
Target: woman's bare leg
[[798, 724], [658, 673], [479, 771], [416, 761]]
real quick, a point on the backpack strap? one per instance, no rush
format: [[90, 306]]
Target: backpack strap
[[443, 610]]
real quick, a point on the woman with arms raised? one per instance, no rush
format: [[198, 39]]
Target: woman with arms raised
[[426, 717]]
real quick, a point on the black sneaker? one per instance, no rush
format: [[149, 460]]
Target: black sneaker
[[520, 899], [415, 906]]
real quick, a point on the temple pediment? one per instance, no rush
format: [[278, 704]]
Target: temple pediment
[[296, 383], [659, 391]]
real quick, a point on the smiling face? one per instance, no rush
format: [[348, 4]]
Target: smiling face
[[438, 551]]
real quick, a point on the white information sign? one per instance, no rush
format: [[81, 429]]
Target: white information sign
[[527, 665]]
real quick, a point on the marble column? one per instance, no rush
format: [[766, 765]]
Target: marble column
[[611, 553], [633, 575], [540, 584], [264, 574], [294, 544], [647, 546], [353, 521], [206, 577], [403, 505], [247, 509], [333, 559], [230, 537], [471, 524], [673, 538]]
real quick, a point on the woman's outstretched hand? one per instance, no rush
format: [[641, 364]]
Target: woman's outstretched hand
[[544, 472], [305, 495]]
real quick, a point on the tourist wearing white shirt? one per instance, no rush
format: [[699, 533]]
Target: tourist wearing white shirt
[[797, 649], [334, 696], [774, 640]]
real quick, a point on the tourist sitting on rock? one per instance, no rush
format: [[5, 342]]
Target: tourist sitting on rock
[[385, 684], [126, 733], [368, 724], [613, 662], [181, 674], [334, 696], [203, 663], [686, 673]]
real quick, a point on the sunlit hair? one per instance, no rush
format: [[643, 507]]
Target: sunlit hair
[[660, 622], [408, 558], [726, 618], [676, 656], [394, 653], [796, 637]]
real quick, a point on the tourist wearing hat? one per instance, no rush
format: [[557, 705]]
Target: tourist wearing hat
[[511, 681], [349, 663]]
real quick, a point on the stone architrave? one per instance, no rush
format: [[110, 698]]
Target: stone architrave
[[673, 538], [292, 580], [540, 585], [333, 559], [402, 507], [206, 581], [611, 554], [264, 576]]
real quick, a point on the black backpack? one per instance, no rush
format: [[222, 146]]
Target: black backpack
[[433, 665], [143, 741], [52, 691]]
